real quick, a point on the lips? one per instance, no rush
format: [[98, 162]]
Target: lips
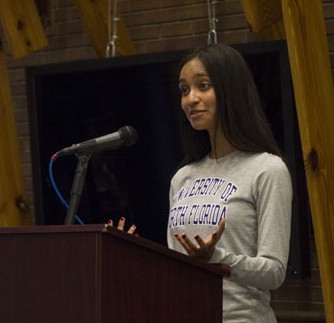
[[195, 113]]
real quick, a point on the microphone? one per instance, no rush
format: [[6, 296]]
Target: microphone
[[125, 136]]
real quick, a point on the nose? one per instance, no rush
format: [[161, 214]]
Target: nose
[[193, 97]]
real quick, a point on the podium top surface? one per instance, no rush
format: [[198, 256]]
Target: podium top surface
[[52, 229], [218, 269]]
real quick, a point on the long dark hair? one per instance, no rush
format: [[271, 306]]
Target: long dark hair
[[239, 108]]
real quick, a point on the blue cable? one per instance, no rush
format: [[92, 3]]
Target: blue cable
[[54, 185]]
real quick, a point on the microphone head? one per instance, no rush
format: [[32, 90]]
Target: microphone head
[[128, 135]]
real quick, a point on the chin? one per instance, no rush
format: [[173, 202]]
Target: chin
[[198, 127]]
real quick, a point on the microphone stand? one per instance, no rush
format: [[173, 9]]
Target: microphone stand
[[77, 187]]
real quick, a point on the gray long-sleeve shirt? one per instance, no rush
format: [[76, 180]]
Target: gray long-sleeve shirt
[[254, 193]]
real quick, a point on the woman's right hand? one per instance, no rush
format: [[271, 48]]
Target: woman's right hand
[[121, 225]]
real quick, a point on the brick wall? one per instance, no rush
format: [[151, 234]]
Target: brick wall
[[154, 26]]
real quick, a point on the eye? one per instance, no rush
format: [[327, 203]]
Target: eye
[[184, 90], [205, 85]]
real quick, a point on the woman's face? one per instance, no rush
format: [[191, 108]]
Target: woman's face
[[198, 96]]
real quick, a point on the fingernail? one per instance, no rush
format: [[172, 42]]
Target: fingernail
[[122, 218]]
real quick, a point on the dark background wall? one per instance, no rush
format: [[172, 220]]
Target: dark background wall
[[154, 26]]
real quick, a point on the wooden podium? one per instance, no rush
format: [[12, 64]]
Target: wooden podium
[[85, 273]]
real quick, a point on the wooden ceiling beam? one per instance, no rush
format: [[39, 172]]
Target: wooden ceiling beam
[[14, 209], [22, 25], [95, 16], [265, 18], [314, 95]]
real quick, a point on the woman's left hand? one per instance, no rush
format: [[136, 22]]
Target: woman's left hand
[[205, 247]]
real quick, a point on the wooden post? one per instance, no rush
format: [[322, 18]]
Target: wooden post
[[13, 208], [95, 17], [22, 25], [313, 88]]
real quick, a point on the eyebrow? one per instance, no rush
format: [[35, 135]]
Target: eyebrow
[[197, 76]]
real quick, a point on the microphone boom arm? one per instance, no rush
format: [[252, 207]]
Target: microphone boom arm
[[77, 187]]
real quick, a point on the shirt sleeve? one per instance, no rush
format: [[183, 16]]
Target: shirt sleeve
[[272, 191]]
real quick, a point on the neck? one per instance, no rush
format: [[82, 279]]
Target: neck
[[215, 154], [220, 147]]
